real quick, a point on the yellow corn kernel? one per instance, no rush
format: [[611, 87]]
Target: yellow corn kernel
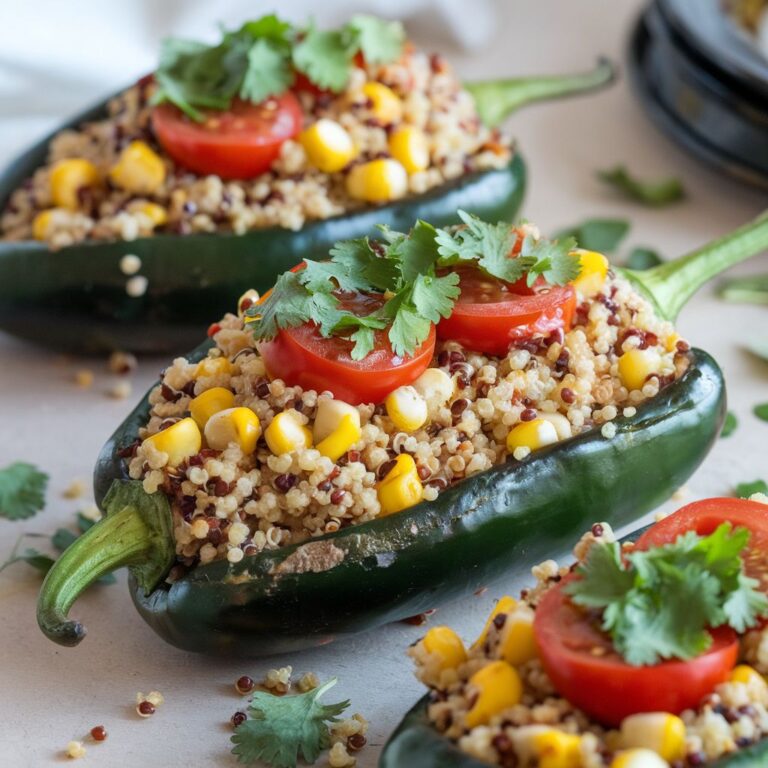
[[670, 343], [328, 145], [499, 687], [233, 425], [378, 181], [245, 302], [407, 408], [750, 677], [435, 386], [409, 145], [214, 366], [401, 487], [661, 732], [139, 169], [41, 224], [341, 439], [557, 749], [67, 177], [636, 365], [180, 441], [444, 643], [329, 416], [207, 403], [638, 758], [560, 423], [285, 434], [517, 641], [532, 435], [505, 604], [594, 269], [386, 105], [154, 212]]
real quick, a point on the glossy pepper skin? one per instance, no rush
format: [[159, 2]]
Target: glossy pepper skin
[[500, 521]]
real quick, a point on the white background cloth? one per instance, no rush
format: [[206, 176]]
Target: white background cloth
[[49, 695]]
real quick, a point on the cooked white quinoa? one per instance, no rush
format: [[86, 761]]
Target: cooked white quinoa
[[734, 715], [292, 193], [226, 504]]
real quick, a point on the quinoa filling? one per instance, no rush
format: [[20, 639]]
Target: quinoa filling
[[542, 726], [480, 411], [409, 126]]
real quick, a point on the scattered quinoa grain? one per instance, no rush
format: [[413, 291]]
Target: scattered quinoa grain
[[238, 718], [338, 757], [74, 490], [122, 363], [608, 430], [136, 286], [84, 378], [75, 750], [244, 684], [120, 391], [130, 264], [145, 709], [308, 682]]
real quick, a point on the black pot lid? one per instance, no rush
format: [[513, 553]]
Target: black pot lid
[[714, 104]]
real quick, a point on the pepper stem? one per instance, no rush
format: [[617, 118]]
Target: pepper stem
[[672, 284], [136, 532], [496, 100]]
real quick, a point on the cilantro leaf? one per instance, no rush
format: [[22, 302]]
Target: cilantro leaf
[[283, 728], [379, 41], [761, 411], [752, 289], [433, 297], [364, 339], [270, 27], [324, 57], [653, 193], [745, 490], [729, 425], [417, 252], [286, 306], [602, 235], [658, 604], [22, 490], [268, 73], [408, 330], [555, 261], [643, 258]]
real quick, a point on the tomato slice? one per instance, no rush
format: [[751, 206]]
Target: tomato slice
[[705, 516], [301, 357], [491, 316], [584, 668], [238, 143]]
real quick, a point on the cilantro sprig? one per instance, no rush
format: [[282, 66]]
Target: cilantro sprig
[[658, 604], [261, 59], [411, 272], [488, 246], [22, 490], [282, 728], [652, 193]]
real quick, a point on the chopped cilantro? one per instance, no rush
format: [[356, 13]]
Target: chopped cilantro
[[260, 59], [745, 490], [283, 728], [22, 490], [602, 235], [761, 411], [403, 269], [653, 193], [658, 604], [729, 425]]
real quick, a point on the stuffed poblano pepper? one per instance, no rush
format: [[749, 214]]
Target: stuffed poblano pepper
[[233, 162], [394, 427], [642, 654]]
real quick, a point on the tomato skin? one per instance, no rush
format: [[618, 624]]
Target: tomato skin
[[302, 357], [705, 516], [493, 326], [605, 686], [238, 143]]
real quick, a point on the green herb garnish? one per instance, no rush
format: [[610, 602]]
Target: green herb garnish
[[745, 290], [403, 268], [642, 258], [745, 490], [654, 193], [282, 728], [602, 235], [22, 490], [261, 59], [659, 604], [761, 411], [759, 348], [729, 425]]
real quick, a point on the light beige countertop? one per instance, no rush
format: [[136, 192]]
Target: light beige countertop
[[50, 695]]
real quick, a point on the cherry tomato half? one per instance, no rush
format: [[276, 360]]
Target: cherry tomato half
[[238, 143], [584, 668], [705, 516], [489, 316], [301, 357]]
